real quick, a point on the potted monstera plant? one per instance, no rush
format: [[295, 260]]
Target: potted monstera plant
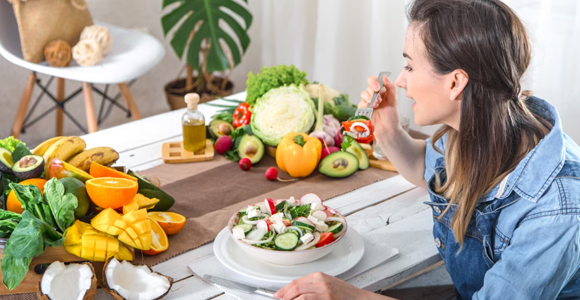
[[212, 36]]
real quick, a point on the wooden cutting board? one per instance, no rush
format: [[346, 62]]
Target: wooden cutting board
[[173, 153]]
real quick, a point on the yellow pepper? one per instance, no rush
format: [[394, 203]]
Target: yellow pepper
[[298, 154]]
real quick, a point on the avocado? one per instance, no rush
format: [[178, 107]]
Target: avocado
[[357, 150], [77, 188], [6, 162], [29, 166], [339, 165], [250, 146], [151, 191], [219, 128]]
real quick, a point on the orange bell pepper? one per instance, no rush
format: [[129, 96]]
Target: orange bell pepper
[[298, 154]]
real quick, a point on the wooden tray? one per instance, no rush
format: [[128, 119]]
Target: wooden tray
[[30, 282], [173, 153]]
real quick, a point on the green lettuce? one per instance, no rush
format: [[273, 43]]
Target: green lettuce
[[281, 111]]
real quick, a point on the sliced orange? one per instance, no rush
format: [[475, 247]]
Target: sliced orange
[[97, 170], [171, 222], [111, 192], [159, 243], [12, 203]]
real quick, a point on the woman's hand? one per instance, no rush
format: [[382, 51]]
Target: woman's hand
[[320, 286], [385, 118]]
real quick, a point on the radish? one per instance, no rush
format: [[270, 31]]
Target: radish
[[262, 224], [310, 198], [270, 207], [223, 144], [272, 174], [305, 221], [245, 164], [328, 150], [328, 214]]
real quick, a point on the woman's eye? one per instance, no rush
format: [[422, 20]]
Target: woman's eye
[[407, 68]]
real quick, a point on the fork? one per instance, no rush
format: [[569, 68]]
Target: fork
[[368, 111]]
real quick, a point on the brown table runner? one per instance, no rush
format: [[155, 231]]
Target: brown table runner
[[208, 193]]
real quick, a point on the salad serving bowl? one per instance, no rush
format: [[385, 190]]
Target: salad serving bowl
[[291, 256]]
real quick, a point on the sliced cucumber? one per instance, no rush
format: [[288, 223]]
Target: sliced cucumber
[[246, 227], [242, 213], [303, 225], [280, 206], [286, 241], [305, 229], [336, 228]]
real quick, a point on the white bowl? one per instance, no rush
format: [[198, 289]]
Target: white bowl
[[286, 258]]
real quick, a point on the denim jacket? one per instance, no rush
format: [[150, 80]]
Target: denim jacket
[[532, 247]]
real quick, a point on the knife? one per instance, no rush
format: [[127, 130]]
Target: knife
[[239, 286]]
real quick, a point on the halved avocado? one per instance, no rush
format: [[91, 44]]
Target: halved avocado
[[219, 128], [357, 150], [251, 147], [29, 166], [6, 162], [339, 165]]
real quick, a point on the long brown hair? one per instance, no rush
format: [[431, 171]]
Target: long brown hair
[[488, 41]]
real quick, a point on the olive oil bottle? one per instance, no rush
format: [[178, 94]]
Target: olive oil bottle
[[193, 123]]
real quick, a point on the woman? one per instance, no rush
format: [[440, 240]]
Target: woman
[[503, 178]]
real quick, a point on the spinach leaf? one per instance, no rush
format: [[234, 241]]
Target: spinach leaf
[[19, 152], [8, 215], [30, 198], [29, 239], [13, 270], [7, 227], [62, 206]]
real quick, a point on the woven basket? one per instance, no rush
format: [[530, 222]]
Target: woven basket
[[44, 21]]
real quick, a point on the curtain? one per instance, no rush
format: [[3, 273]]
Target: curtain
[[342, 42]]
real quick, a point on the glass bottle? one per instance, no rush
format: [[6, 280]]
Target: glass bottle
[[193, 123]]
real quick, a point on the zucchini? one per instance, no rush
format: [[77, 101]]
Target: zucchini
[[286, 241]]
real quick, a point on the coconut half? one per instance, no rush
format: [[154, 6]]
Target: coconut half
[[76, 281], [124, 280]]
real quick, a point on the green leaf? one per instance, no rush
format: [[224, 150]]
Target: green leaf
[[29, 239], [8, 215], [19, 152], [7, 227], [14, 270], [62, 206], [346, 142], [224, 116], [185, 15], [29, 196], [233, 155]]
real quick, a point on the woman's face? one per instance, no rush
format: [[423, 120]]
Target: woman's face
[[435, 101]]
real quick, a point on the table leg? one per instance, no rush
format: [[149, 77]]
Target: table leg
[[90, 108], [21, 113]]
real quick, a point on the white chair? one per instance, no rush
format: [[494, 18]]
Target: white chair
[[132, 55]]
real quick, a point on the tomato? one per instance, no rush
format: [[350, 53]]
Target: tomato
[[287, 222], [325, 239], [242, 115]]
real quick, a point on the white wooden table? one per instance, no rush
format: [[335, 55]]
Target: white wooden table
[[393, 207]]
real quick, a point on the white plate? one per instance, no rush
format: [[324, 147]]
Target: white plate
[[345, 256]]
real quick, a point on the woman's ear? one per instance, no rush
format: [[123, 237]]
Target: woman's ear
[[459, 80]]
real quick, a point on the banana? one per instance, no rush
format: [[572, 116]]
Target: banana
[[41, 149], [102, 155], [64, 149]]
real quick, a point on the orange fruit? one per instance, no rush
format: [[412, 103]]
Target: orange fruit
[[171, 222], [97, 170], [12, 203], [110, 192], [159, 243]]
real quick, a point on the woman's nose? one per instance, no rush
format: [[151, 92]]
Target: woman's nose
[[401, 81]]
